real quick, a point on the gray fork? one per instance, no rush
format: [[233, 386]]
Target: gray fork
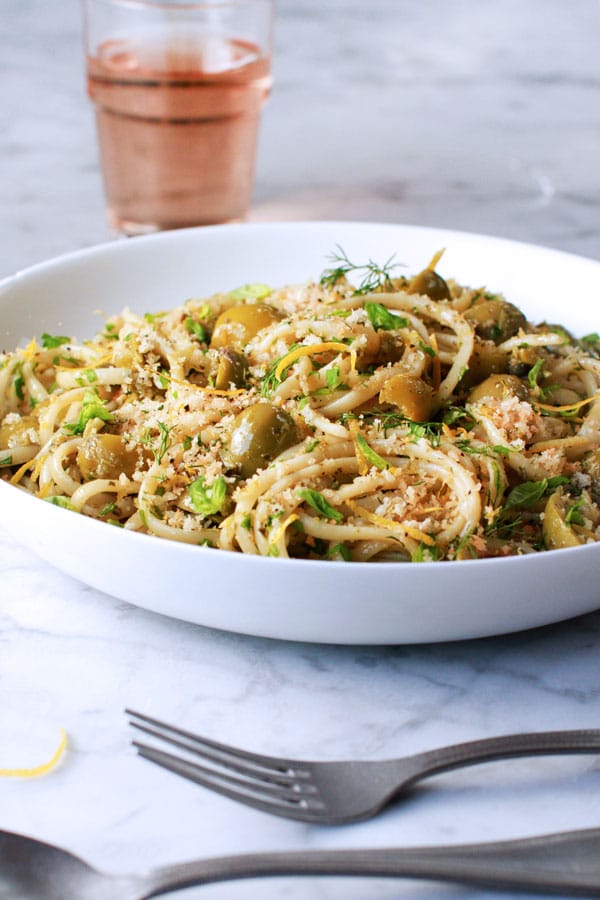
[[332, 792], [567, 863]]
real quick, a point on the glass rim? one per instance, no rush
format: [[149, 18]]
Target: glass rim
[[180, 5]]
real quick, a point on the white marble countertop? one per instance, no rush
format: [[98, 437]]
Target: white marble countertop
[[482, 117]]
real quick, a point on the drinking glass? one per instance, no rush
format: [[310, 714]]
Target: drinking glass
[[178, 89]]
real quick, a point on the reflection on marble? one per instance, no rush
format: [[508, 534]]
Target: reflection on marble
[[478, 117]]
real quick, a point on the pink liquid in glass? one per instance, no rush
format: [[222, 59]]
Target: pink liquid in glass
[[177, 131]]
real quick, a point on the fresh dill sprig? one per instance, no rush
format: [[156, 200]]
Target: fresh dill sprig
[[372, 275], [388, 419]]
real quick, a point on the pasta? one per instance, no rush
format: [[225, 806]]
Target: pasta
[[403, 419]]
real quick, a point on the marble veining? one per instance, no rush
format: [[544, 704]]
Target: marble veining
[[474, 116]]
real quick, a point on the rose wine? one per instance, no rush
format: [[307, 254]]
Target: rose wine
[[177, 127]]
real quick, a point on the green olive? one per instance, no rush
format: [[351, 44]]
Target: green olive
[[106, 456], [499, 387], [429, 283], [231, 370], [259, 434], [239, 324], [495, 320], [557, 533], [16, 432], [486, 359], [412, 396]]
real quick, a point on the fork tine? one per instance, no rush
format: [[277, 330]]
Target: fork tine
[[269, 789], [268, 798], [268, 768], [224, 763]]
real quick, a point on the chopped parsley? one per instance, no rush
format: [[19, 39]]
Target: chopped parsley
[[49, 341], [382, 319]]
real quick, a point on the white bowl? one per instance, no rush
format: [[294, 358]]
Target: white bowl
[[334, 602]]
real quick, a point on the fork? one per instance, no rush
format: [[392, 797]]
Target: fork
[[338, 791], [568, 862]]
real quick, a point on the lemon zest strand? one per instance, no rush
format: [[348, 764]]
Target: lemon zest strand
[[308, 350], [22, 469], [43, 768], [354, 429], [568, 406], [435, 259], [283, 527], [30, 350], [391, 523]]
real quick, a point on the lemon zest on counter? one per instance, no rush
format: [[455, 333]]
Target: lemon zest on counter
[[43, 768]]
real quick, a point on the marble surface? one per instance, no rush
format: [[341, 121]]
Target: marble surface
[[483, 117]]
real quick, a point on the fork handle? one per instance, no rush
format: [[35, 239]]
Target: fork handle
[[541, 743], [567, 862]]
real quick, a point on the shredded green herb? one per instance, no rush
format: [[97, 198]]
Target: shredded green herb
[[529, 492], [369, 454], [573, 516], [320, 504], [19, 381], [340, 551], [195, 328], [63, 502], [250, 292], [208, 500], [92, 407]]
